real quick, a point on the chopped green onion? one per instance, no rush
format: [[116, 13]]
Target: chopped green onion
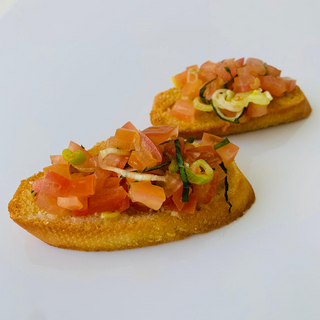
[[226, 184], [221, 144], [182, 170], [77, 158], [173, 167], [200, 178]]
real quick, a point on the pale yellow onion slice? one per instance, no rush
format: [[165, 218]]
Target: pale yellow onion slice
[[201, 106]]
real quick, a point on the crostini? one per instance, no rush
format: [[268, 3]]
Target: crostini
[[136, 189], [229, 97]]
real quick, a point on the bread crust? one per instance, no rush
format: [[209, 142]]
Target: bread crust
[[132, 229], [291, 106]]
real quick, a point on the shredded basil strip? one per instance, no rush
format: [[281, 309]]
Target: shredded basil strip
[[226, 184], [190, 140], [157, 167], [201, 93], [182, 170], [221, 144], [232, 78]]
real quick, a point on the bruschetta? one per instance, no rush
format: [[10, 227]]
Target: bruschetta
[[136, 189], [229, 97]]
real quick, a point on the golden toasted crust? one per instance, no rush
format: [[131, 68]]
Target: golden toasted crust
[[132, 229], [290, 107]]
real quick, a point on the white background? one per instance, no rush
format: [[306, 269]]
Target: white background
[[77, 70]]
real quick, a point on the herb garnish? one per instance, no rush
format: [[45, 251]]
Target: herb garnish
[[190, 140], [201, 93], [232, 78], [221, 144], [226, 184], [182, 170], [157, 167]]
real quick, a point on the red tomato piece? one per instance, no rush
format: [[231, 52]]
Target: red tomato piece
[[290, 83], [188, 207], [140, 207], [177, 198], [170, 147], [276, 86], [254, 62], [191, 90], [243, 83], [159, 134], [209, 139], [107, 199], [256, 110], [228, 152], [212, 87], [206, 153], [49, 204], [147, 144], [115, 160], [207, 71], [37, 185], [112, 182], [239, 63], [126, 135], [124, 205], [145, 192], [142, 159], [113, 142], [58, 159], [84, 211], [70, 203], [74, 146], [205, 192], [180, 79], [223, 73], [184, 110], [61, 169], [81, 187], [101, 176], [54, 185], [272, 71], [130, 126], [172, 184]]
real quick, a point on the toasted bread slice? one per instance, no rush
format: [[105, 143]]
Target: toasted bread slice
[[290, 107], [132, 229]]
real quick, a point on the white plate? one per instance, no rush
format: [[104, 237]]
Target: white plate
[[77, 70]]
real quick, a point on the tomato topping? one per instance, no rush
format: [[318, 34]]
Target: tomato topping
[[184, 110], [58, 159], [70, 203], [147, 144], [84, 211], [115, 160], [228, 152], [191, 90], [74, 146], [180, 79], [172, 184], [207, 71], [101, 176], [206, 153], [272, 71], [188, 207], [212, 87], [84, 186], [254, 62], [171, 148], [54, 185], [290, 83], [159, 134], [256, 110], [37, 185], [239, 63], [243, 83], [61, 169], [107, 199], [142, 159], [150, 195], [276, 86], [126, 135], [113, 142], [130, 126], [209, 139], [205, 192], [49, 204]]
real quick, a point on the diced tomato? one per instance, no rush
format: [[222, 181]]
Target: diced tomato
[[115, 160], [272, 71], [223, 73], [150, 195], [254, 62], [159, 134], [58, 159], [253, 70], [206, 153], [228, 152], [205, 192], [101, 176], [243, 83], [84, 211], [49, 204], [84, 186], [130, 126], [140, 207], [290, 83], [113, 142], [180, 79], [112, 182], [177, 198], [256, 110], [61, 169], [124, 205], [126, 135], [209, 139], [77, 175], [191, 90], [239, 63], [37, 185], [276, 86], [212, 87], [70, 203], [184, 110], [147, 144], [188, 207], [207, 71], [54, 185], [172, 184], [107, 199], [170, 147], [142, 159]]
